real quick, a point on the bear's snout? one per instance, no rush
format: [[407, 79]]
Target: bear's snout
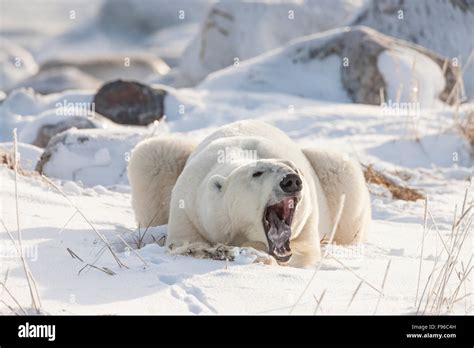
[[291, 183]]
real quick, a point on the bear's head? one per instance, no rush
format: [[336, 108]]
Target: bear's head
[[259, 200]]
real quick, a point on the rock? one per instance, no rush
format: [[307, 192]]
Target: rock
[[443, 26], [364, 79], [56, 80], [108, 67], [234, 31], [128, 102], [93, 156], [16, 64], [47, 131], [357, 60]]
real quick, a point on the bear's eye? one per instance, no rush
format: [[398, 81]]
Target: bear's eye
[[257, 174]]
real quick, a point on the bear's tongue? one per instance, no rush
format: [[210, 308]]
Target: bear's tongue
[[279, 232], [278, 220]]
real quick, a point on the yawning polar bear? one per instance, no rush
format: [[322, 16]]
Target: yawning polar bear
[[248, 185]]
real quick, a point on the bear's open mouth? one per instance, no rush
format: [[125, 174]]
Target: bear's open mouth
[[277, 221]]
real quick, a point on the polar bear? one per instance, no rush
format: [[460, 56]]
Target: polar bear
[[248, 188]]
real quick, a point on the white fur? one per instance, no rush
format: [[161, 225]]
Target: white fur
[[217, 205], [154, 166], [338, 175]]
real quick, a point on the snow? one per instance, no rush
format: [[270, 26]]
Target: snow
[[24, 108], [41, 20], [15, 64], [179, 284], [416, 78], [437, 150], [422, 150], [121, 28], [272, 74]]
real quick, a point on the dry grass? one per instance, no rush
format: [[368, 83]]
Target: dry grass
[[383, 285], [325, 254], [354, 294], [13, 298], [77, 257], [449, 268], [140, 239], [318, 302], [12, 161], [463, 123], [79, 211], [466, 127], [7, 158], [398, 192], [133, 250], [425, 220]]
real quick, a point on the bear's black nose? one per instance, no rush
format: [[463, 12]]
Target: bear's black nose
[[291, 183]]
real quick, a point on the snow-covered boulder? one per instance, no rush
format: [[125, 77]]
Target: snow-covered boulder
[[28, 154], [93, 156], [19, 102], [106, 67], [169, 43], [443, 26], [44, 127], [23, 101], [235, 30], [59, 79], [352, 64], [29, 111], [16, 64]]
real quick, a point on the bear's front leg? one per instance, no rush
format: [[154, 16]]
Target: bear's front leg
[[204, 250], [222, 252], [184, 239], [258, 250]]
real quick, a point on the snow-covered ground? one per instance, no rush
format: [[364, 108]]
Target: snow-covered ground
[[419, 148]]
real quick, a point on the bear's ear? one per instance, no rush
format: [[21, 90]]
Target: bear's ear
[[216, 183]]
